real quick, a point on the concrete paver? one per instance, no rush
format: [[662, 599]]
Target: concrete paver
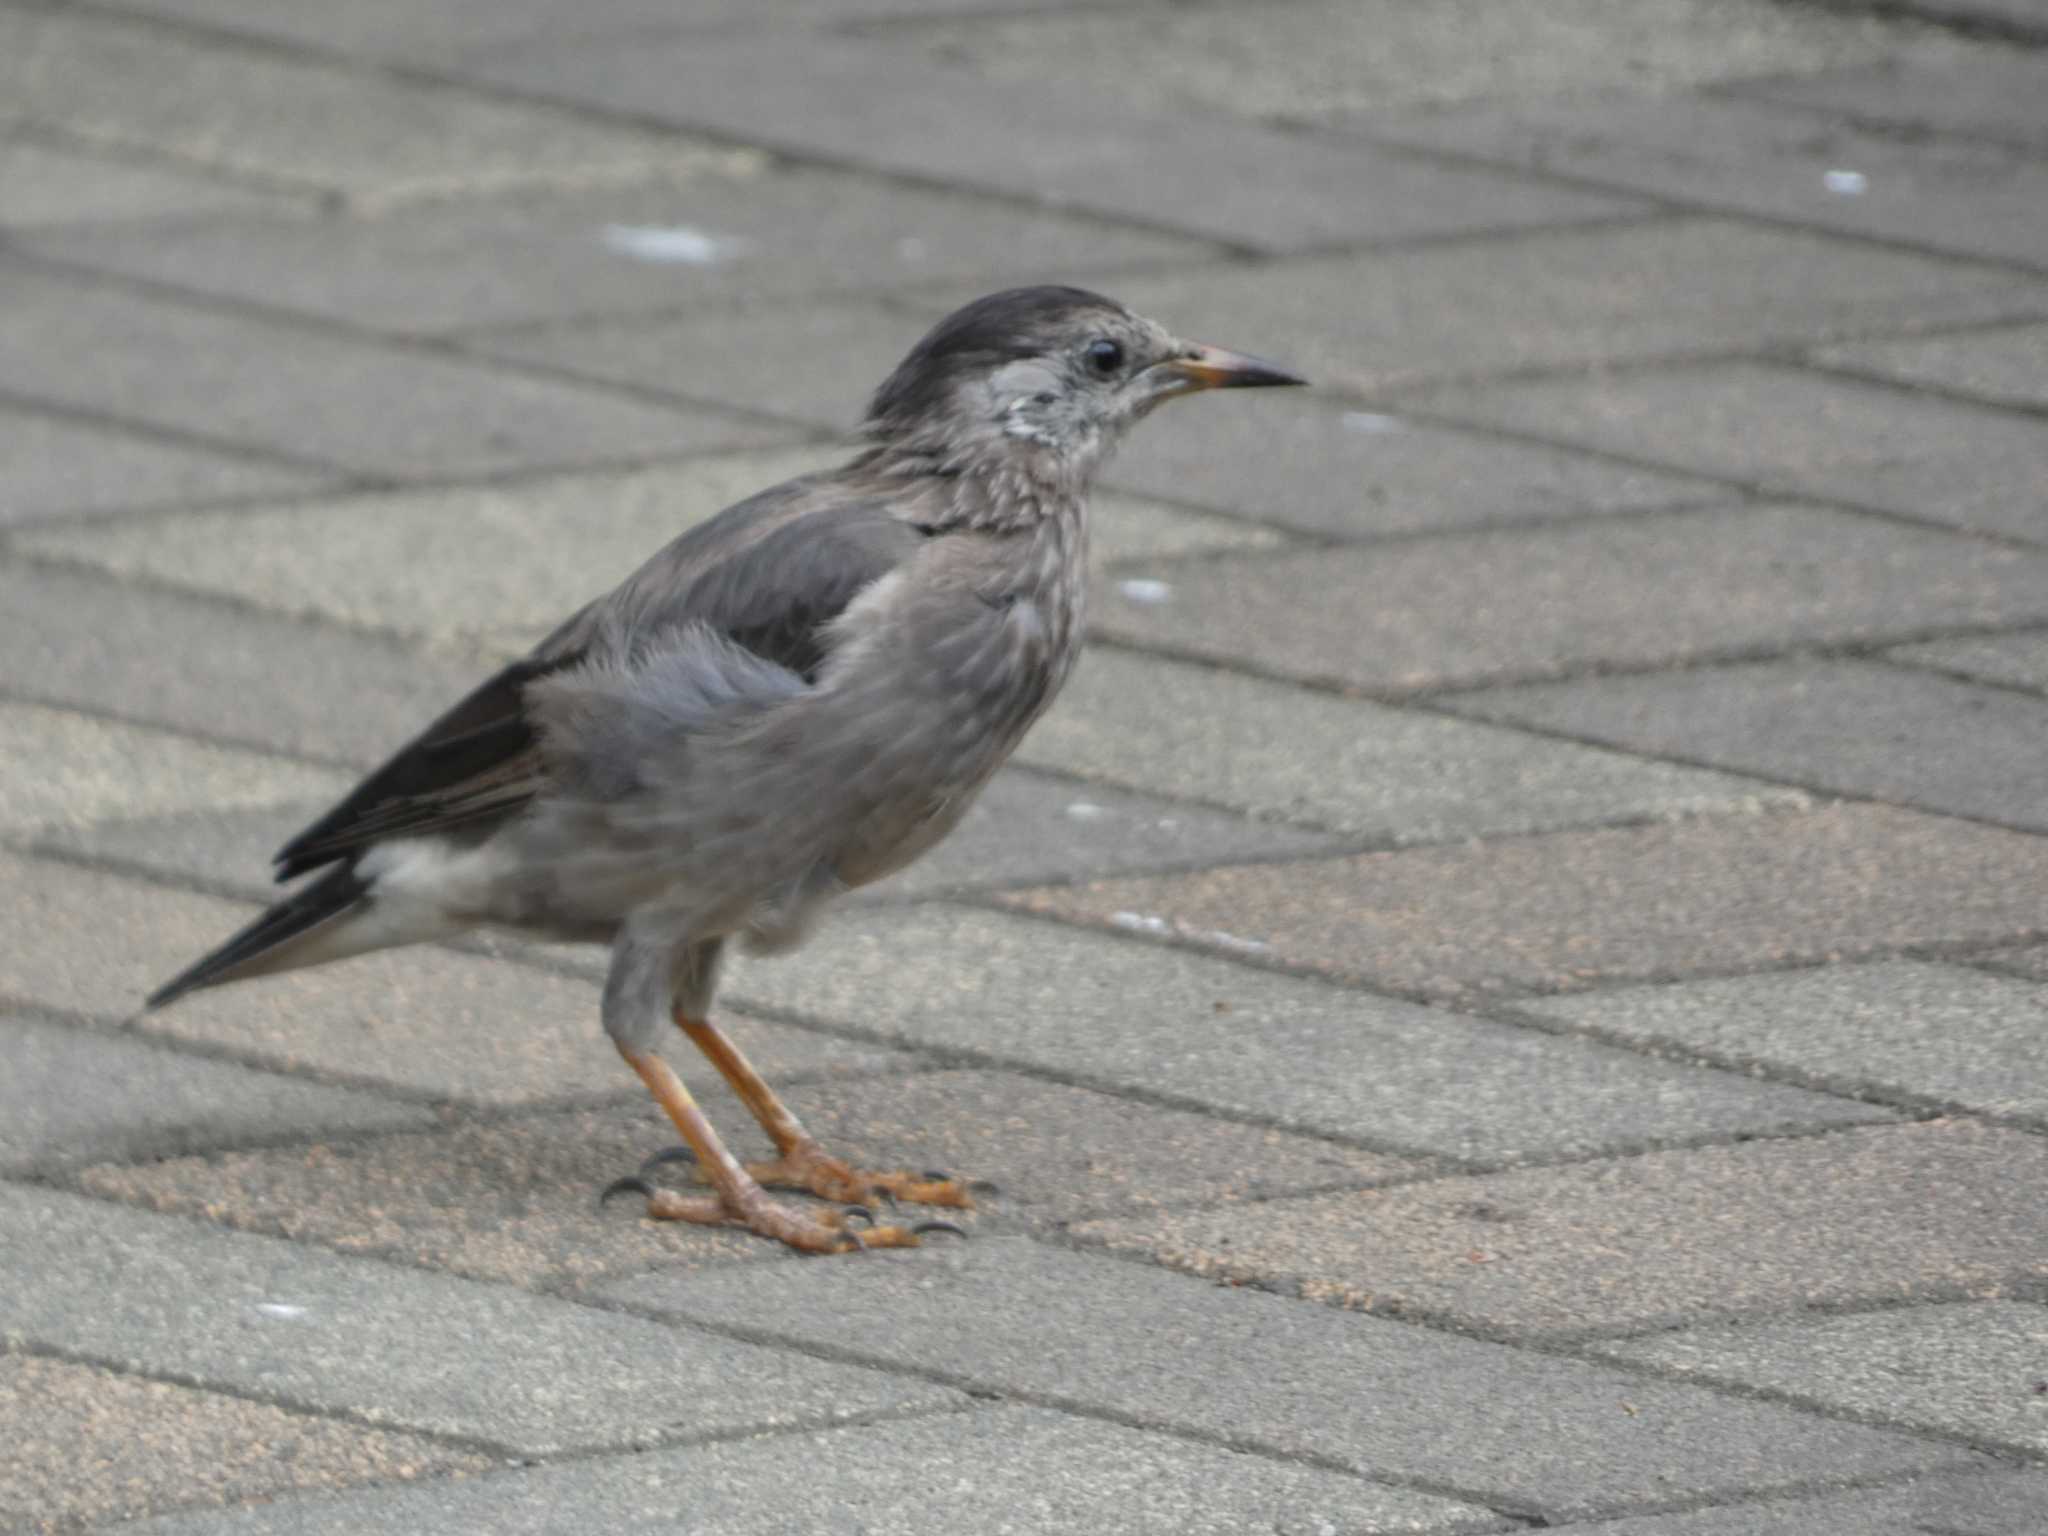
[[1973, 1369], [1525, 1431], [2004, 365], [1848, 726], [1016, 1471], [1272, 1048], [1571, 908], [1906, 1028], [1995, 94], [1466, 609], [1872, 1215], [288, 1323], [1785, 429], [2016, 660], [51, 187], [1366, 769], [328, 400], [71, 1094], [90, 1445], [1951, 1504]]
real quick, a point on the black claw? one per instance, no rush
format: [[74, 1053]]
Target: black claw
[[938, 1174], [849, 1212], [852, 1235], [936, 1225], [876, 1192], [631, 1184], [669, 1155]]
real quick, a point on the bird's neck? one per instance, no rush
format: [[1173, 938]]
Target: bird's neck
[[999, 485]]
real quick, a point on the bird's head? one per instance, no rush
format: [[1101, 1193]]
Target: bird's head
[[1045, 379]]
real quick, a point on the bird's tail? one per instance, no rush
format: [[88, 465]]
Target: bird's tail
[[306, 928]]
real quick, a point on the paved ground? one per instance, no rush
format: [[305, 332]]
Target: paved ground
[[1510, 992]]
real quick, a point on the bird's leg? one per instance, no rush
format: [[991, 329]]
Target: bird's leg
[[739, 1199], [803, 1163]]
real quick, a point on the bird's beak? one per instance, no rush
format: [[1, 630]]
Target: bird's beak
[[1203, 367]]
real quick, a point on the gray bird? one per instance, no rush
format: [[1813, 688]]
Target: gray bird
[[793, 699]]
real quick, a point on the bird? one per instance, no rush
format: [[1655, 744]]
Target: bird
[[790, 700]]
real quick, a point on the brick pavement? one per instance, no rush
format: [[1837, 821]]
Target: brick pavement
[[1509, 992]]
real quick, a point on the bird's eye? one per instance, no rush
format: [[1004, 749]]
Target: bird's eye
[[1105, 356]]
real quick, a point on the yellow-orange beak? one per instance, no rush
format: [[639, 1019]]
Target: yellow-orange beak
[[1214, 368]]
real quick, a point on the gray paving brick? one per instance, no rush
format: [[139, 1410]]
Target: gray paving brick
[[328, 399], [1992, 94], [1364, 768], [452, 265], [2026, 961], [291, 1324], [1521, 604], [1873, 1215], [184, 662], [1323, 56], [1938, 1032], [1012, 1470], [429, 1020], [61, 769], [70, 1094], [1569, 908], [302, 122], [1958, 1504], [405, 561], [1571, 297], [515, 1199], [2007, 365], [1857, 726], [2018, 661], [1543, 1434], [51, 186], [85, 1444], [1747, 156], [1971, 1369], [1056, 141], [1784, 429], [1247, 1042], [53, 468]]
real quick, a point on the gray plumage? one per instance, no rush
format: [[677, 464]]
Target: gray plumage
[[791, 700]]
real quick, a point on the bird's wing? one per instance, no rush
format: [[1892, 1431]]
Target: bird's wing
[[768, 574]]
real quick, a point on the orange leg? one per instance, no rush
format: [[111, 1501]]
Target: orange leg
[[739, 1199], [803, 1163]]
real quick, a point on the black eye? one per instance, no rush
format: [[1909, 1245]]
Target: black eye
[[1105, 356]]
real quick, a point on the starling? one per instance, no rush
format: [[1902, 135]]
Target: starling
[[793, 699]]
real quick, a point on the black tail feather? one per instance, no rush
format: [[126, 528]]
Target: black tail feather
[[298, 912]]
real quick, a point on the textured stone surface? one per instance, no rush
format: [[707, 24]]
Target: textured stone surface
[[1571, 297], [1898, 1028], [515, 1200], [1619, 592], [55, 467], [1745, 156], [48, 187], [1972, 1370], [1053, 140], [182, 661], [2007, 365], [1017, 1471], [1376, 772], [1885, 1214], [63, 769], [1848, 726], [299, 122], [1975, 1503], [404, 561], [601, 253], [2017, 660], [345, 1335], [1784, 429], [1249, 1043], [319, 398], [1995, 94], [1172, 1351], [69, 1093], [428, 1020], [1576, 907], [85, 1444]]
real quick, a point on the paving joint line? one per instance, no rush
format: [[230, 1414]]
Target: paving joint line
[[169, 436]]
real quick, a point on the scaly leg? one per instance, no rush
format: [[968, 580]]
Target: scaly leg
[[803, 1163], [739, 1199]]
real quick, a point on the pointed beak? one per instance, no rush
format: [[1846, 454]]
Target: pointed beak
[[1203, 367]]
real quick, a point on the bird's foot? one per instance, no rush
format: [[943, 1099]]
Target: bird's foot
[[809, 1167], [826, 1231]]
